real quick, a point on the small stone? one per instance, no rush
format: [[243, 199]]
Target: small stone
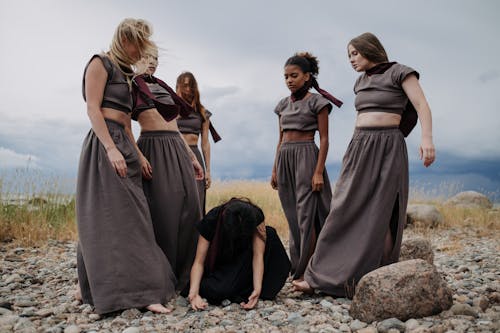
[[324, 303], [217, 313], [181, 301], [131, 314], [481, 302], [463, 309], [72, 329], [226, 302], [357, 325], [385, 325], [131, 330], [94, 317], [369, 329], [44, 312]]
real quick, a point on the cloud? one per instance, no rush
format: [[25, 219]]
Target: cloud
[[489, 76], [237, 55], [10, 159]]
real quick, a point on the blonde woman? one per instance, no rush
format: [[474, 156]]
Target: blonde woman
[[119, 264], [170, 180]]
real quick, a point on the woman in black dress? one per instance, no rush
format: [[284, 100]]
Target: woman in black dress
[[238, 257]]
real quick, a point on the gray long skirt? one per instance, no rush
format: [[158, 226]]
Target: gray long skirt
[[202, 191], [172, 195], [119, 264], [304, 209], [369, 199]]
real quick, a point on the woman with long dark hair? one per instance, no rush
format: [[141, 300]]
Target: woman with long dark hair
[[238, 257], [195, 127]]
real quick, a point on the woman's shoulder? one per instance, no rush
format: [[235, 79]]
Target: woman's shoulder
[[281, 105], [399, 72], [317, 102]]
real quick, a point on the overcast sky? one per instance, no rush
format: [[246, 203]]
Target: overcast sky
[[237, 49]]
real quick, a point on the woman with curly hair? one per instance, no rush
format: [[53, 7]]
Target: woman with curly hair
[[299, 172]]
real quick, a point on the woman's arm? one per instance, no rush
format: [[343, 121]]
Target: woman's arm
[[259, 247], [198, 169], [95, 82], [194, 297], [147, 170], [412, 88], [205, 149], [317, 180], [274, 177]]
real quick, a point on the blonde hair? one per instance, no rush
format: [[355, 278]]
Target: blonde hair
[[135, 31]]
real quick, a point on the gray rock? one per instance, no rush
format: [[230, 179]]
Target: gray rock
[[463, 309], [391, 323], [131, 314], [408, 289], [417, 248], [226, 302], [295, 319], [424, 215], [131, 330], [72, 329], [369, 329], [470, 199], [357, 325], [481, 302]]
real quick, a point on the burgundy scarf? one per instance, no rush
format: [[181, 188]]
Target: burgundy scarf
[[380, 68], [302, 92], [168, 112]]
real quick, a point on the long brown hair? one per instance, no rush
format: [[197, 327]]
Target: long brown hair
[[196, 104], [370, 47]]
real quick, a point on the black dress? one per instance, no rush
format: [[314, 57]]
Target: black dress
[[229, 274]]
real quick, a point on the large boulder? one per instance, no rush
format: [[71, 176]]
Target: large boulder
[[416, 248], [470, 199], [423, 215], [404, 290]]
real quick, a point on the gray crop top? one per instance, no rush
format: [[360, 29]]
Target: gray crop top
[[192, 123], [383, 92], [117, 94], [301, 115]]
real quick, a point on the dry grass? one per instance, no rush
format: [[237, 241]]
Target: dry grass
[[42, 216]]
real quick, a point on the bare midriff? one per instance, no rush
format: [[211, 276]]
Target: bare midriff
[[115, 115], [151, 120], [191, 138], [294, 135], [377, 119]]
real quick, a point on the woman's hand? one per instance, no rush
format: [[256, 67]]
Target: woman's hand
[[197, 303], [147, 170], [427, 152], [208, 179], [117, 161], [274, 180], [252, 301], [198, 170], [317, 182]]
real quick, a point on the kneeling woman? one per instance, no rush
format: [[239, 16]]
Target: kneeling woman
[[238, 257]]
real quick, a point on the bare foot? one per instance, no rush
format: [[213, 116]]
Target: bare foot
[[302, 286], [158, 308], [77, 294]]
